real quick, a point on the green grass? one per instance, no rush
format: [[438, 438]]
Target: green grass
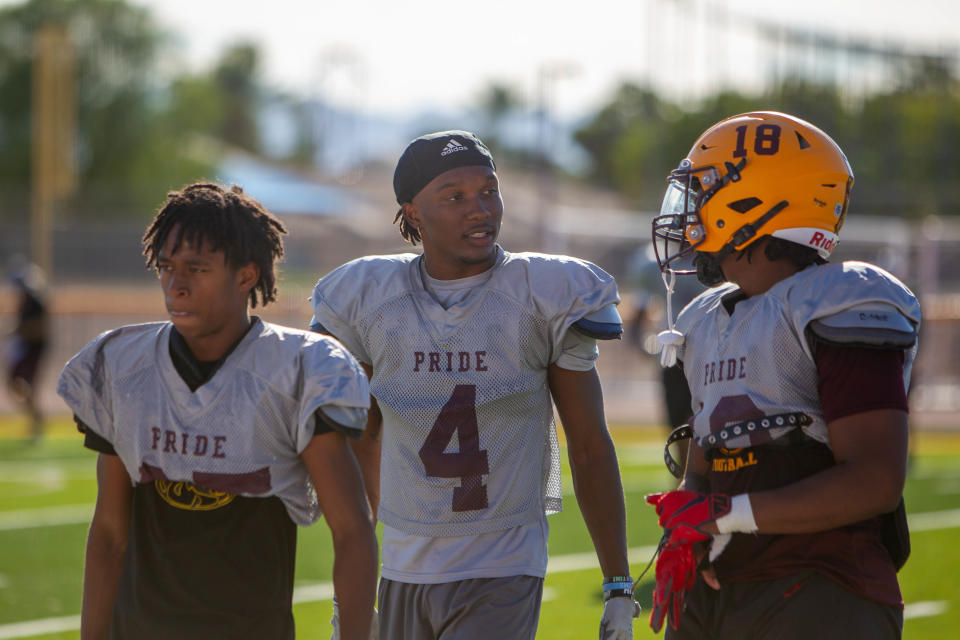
[[41, 567]]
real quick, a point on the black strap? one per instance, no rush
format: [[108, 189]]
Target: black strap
[[756, 425], [735, 430], [682, 432]]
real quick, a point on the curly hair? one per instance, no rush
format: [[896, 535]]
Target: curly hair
[[223, 219]]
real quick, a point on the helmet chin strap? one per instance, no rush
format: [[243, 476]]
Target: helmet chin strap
[[709, 272], [671, 339]]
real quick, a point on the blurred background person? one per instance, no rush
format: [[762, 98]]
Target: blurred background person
[[27, 343]]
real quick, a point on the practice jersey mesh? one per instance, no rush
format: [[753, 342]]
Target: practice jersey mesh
[[758, 362], [509, 394], [241, 433], [469, 444]]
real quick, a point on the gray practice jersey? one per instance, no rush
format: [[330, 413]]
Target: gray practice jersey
[[239, 433], [759, 363], [469, 444]]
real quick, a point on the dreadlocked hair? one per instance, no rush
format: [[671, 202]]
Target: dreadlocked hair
[[222, 219], [409, 232]]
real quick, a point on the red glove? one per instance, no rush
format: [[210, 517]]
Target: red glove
[[676, 572], [689, 508]]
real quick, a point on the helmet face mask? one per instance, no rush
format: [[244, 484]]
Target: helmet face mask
[[749, 176], [678, 230]]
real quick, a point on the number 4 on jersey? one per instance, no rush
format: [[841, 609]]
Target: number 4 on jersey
[[458, 415]]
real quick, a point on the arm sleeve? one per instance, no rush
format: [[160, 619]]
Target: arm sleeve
[[85, 387], [326, 321], [340, 298], [855, 379], [347, 420], [335, 393], [574, 294]]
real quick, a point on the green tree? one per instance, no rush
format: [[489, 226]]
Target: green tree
[[495, 104], [904, 145], [128, 153], [236, 77], [602, 137]]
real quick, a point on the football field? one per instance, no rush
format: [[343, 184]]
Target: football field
[[47, 492]]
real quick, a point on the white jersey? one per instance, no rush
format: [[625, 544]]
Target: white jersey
[[758, 363], [469, 445], [241, 432]]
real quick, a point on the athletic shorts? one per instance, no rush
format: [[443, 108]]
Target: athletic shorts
[[797, 607], [476, 609]]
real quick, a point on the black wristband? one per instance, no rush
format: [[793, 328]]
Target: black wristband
[[617, 593]]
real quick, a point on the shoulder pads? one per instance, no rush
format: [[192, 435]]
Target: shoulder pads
[[874, 325], [603, 324]]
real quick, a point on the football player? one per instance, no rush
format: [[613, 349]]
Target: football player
[[218, 435], [791, 503], [465, 344], [28, 343]]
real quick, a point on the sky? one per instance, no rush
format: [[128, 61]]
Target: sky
[[401, 57], [394, 68]]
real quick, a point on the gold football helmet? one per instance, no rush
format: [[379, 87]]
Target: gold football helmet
[[749, 176]]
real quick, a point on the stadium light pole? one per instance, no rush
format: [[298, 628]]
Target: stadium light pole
[[53, 171]]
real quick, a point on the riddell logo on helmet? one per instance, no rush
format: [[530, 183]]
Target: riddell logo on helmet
[[820, 241]]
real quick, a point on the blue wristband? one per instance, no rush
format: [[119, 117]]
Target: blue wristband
[[610, 586]]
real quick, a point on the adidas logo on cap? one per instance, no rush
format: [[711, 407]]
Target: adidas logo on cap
[[452, 147]]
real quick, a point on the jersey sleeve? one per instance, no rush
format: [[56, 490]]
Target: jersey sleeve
[[327, 318], [335, 385], [856, 305], [84, 386], [579, 352], [342, 297], [92, 441], [574, 294]]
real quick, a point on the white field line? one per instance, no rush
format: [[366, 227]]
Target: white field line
[[322, 591], [39, 627], [932, 520], [925, 609], [45, 517], [313, 592]]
